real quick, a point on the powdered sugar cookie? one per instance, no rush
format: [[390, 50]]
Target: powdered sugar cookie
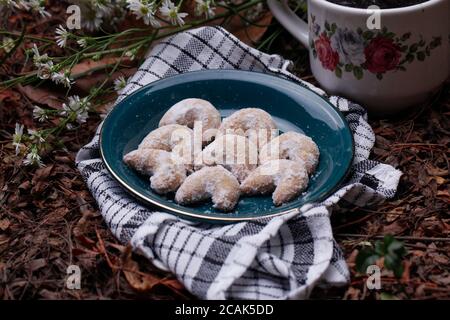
[[174, 138], [285, 178], [253, 123], [165, 174], [235, 153], [292, 146], [188, 111], [167, 137], [215, 183]]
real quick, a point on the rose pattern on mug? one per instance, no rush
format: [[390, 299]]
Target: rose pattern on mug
[[376, 51]]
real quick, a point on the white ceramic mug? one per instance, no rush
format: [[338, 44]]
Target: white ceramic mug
[[386, 69]]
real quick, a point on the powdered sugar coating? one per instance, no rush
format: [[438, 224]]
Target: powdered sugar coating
[[167, 137], [188, 111], [174, 138], [235, 153], [292, 146], [253, 123], [215, 183], [285, 178], [165, 175]]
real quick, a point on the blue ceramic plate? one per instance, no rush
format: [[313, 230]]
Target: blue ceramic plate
[[294, 108]]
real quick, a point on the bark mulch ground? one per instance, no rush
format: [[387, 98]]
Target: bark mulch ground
[[48, 219]]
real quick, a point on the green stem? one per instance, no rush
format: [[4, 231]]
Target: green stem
[[146, 41], [16, 45], [16, 34]]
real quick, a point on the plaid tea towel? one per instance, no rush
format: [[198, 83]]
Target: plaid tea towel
[[279, 258]]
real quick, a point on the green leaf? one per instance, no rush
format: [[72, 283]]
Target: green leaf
[[358, 72], [390, 35], [406, 36], [394, 264], [348, 67], [404, 48], [368, 34], [333, 28], [327, 26], [366, 257], [409, 57], [379, 245], [359, 30], [379, 76], [421, 56], [390, 248], [396, 248], [436, 42], [414, 47], [338, 72]]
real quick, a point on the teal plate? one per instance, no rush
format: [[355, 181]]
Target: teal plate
[[293, 107]]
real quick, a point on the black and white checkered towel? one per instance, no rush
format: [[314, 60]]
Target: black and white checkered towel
[[279, 258]]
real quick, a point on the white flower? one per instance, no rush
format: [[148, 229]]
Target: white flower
[[82, 42], [36, 135], [144, 9], [45, 71], [171, 12], [39, 59], [103, 7], [17, 137], [43, 63], [34, 5], [62, 36], [204, 7], [77, 108], [131, 54], [255, 12], [92, 21], [62, 78], [33, 158], [8, 44], [39, 114], [119, 84], [7, 4], [349, 45], [96, 12]]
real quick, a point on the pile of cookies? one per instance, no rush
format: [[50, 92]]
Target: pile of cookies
[[199, 157]]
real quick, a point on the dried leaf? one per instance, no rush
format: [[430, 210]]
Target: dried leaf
[[406, 271], [394, 228], [37, 264], [352, 294], [247, 33], [40, 180], [441, 280], [49, 295], [250, 34], [88, 66], [9, 94], [173, 283], [434, 171], [43, 96], [4, 224], [88, 82], [138, 281]]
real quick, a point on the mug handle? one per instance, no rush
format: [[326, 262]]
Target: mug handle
[[296, 26]]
